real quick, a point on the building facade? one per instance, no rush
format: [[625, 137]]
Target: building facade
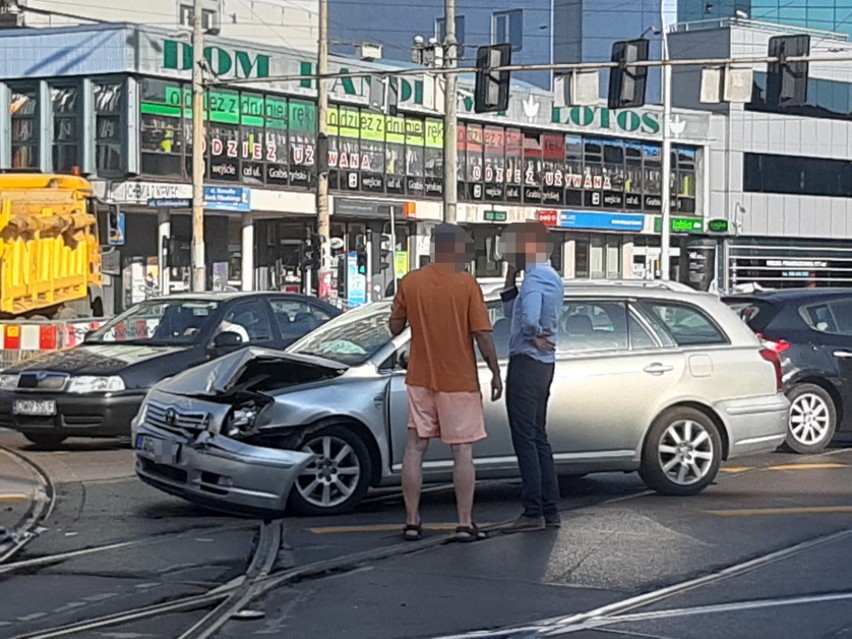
[[288, 23], [780, 177], [113, 101], [824, 15]]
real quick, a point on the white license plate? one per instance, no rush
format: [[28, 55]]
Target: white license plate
[[40, 407], [162, 451]]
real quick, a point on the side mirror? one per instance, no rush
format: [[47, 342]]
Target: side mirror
[[227, 341]]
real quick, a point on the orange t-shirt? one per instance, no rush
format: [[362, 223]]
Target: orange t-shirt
[[444, 309]]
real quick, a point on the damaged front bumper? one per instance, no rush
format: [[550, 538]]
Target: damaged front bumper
[[218, 472]]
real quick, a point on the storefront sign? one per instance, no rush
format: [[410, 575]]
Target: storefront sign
[[169, 203], [600, 118], [495, 216], [224, 63], [356, 283], [718, 226], [548, 218], [226, 198], [680, 224], [601, 221], [366, 208], [400, 263], [141, 192]]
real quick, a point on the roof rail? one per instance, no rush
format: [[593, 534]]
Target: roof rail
[[638, 283]]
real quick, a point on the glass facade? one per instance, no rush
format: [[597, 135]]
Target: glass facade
[[828, 15]]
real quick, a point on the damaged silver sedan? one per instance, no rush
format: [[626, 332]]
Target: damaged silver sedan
[[663, 382]]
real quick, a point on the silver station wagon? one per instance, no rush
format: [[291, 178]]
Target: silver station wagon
[[649, 378]]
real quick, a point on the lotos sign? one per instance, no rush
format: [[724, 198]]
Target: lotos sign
[[623, 120]]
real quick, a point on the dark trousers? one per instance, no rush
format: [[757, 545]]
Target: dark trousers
[[527, 391]]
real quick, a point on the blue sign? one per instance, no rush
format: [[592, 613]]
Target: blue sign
[[601, 221], [356, 283], [115, 229], [227, 198], [169, 203]]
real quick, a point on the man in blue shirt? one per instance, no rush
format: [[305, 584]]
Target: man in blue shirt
[[534, 311]]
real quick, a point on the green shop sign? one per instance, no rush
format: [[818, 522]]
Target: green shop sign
[[624, 120], [718, 226], [681, 225], [223, 62]]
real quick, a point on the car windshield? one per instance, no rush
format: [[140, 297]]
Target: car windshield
[[157, 323], [351, 338]]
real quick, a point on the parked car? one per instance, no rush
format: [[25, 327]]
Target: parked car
[[811, 330], [648, 378], [95, 389]]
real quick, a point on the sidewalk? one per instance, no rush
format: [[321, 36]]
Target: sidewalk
[[20, 486]]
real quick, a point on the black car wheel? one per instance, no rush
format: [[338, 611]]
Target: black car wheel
[[812, 419], [682, 452], [46, 440], [338, 478]]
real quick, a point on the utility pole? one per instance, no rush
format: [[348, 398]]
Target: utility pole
[[666, 204], [451, 152], [199, 272], [323, 220]]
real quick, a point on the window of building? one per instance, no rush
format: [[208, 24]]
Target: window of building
[[23, 109], [209, 18], [108, 129], [766, 173], [67, 112], [163, 121], [441, 32], [827, 99], [508, 27]]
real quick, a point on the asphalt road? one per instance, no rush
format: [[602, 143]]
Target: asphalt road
[[763, 553]]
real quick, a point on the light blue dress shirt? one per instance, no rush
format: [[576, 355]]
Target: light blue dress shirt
[[534, 310]]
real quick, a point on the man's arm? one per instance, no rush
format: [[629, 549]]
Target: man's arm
[[399, 314], [531, 301], [485, 344], [397, 325], [510, 293]]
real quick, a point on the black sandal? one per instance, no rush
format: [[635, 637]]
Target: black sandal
[[468, 534], [412, 532]]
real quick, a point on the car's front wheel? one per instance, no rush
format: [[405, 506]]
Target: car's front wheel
[[682, 452], [338, 477], [46, 440], [812, 419]]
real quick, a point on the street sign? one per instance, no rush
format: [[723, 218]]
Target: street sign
[[227, 198], [496, 216], [169, 203], [681, 224], [718, 226]]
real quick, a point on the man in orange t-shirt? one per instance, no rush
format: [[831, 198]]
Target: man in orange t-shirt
[[446, 312]]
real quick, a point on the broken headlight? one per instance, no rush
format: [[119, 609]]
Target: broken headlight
[[240, 420]]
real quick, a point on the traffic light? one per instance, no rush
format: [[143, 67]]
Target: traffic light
[[787, 82], [626, 82], [386, 249], [310, 253], [361, 255], [491, 93]]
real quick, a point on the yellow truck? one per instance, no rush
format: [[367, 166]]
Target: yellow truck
[[50, 254]]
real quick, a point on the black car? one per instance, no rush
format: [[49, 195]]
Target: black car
[[95, 389], [811, 330]]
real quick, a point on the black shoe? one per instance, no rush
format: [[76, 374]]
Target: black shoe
[[553, 522], [524, 524]]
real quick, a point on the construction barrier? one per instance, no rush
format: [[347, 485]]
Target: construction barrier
[[23, 339]]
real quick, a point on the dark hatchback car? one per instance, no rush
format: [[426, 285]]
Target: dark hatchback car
[[95, 389], [811, 330]]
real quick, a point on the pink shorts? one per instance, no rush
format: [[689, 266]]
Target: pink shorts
[[457, 418]]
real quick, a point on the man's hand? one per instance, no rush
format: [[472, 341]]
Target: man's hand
[[511, 275], [496, 387], [543, 344]]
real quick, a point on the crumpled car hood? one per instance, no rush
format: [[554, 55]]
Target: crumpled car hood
[[231, 371]]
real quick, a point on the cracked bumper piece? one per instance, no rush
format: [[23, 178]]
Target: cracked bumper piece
[[216, 471]]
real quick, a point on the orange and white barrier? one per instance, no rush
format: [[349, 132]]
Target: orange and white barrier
[[22, 339]]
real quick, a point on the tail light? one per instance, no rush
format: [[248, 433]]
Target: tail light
[[776, 345], [772, 357]]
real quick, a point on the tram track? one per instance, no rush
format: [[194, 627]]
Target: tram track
[[41, 507]]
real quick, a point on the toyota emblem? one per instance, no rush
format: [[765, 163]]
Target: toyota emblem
[[41, 376], [171, 417]]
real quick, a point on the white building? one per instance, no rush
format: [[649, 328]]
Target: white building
[[285, 23]]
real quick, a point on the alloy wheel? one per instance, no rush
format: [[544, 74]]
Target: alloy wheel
[[685, 452], [332, 476], [810, 419]]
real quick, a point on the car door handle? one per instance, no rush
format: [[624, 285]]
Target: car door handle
[[843, 354], [657, 369]]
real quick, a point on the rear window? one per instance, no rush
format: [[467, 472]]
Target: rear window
[[688, 325], [756, 313]]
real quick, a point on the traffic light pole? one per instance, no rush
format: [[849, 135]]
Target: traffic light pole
[[199, 271], [451, 152], [666, 204], [323, 219]]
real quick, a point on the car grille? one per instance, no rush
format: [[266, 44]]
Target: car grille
[[41, 382], [175, 421]]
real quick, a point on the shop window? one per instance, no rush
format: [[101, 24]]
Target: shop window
[[582, 263], [67, 112], [514, 164], [109, 105], [433, 138], [23, 109], [532, 167], [395, 155], [494, 172], [474, 148], [164, 133]]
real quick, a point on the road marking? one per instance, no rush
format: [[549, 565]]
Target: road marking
[[808, 466], [736, 469], [805, 510], [326, 530], [13, 497]]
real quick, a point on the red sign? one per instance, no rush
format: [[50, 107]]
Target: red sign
[[548, 218]]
